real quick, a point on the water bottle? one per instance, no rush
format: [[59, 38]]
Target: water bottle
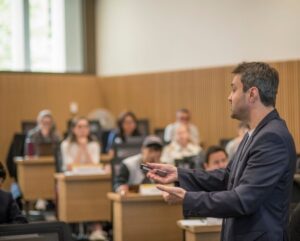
[[29, 148]]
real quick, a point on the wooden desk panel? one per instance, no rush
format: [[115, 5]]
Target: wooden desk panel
[[35, 177], [145, 218], [83, 197], [202, 233]]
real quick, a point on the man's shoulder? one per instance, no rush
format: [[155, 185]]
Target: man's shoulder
[[132, 160]]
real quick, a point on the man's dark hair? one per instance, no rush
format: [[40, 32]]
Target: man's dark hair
[[262, 76], [2, 172], [211, 150], [154, 147]]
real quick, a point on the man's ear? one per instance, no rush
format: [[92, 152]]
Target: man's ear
[[253, 94]]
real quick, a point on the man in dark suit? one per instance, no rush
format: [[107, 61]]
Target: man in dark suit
[[9, 211], [252, 193]]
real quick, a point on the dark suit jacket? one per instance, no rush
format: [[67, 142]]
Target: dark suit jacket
[[253, 199], [9, 211]]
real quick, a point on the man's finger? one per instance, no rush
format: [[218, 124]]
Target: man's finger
[[166, 188]]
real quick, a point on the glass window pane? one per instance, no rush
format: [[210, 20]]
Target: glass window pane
[[5, 35], [40, 35]]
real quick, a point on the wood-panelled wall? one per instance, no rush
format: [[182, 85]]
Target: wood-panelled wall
[[155, 96], [158, 95], [22, 96]]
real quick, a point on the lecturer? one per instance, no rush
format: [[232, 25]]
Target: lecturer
[[252, 193]]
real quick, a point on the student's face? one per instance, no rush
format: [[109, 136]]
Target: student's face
[[183, 117], [182, 135], [82, 129], [151, 155], [46, 123], [238, 99], [216, 160], [128, 125]]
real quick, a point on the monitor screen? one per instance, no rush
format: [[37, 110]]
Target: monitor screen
[[44, 231]]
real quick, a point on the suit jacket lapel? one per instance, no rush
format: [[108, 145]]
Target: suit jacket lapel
[[242, 151]]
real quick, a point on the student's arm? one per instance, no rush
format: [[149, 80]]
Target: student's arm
[[67, 159], [200, 180], [122, 179]]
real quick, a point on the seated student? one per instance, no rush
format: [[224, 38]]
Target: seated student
[[215, 158], [232, 145], [180, 147], [183, 116], [127, 127], [9, 211], [79, 148], [44, 132], [130, 171]]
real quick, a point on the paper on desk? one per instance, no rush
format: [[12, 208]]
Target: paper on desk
[[201, 222], [193, 222], [85, 172]]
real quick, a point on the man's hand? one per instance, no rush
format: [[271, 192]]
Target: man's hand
[[172, 195], [171, 171]]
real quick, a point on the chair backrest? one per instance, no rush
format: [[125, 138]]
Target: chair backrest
[[298, 163], [224, 141], [160, 133], [96, 129], [16, 149], [186, 162], [58, 158], [122, 151], [27, 125], [43, 231], [143, 126]]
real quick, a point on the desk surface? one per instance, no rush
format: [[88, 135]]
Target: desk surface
[[200, 228], [34, 160], [133, 197], [81, 177]]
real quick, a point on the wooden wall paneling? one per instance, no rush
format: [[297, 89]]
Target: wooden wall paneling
[[204, 92], [22, 96]]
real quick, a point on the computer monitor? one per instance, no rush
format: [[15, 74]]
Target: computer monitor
[[45, 149], [45, 231], [298, 163], [124, 150], [135, 140]]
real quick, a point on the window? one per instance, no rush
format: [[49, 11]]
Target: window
[[41, 36], [5, 35]]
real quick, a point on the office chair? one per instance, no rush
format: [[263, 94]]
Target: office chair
[[186, 162], [122, 151], [27, 125], [143, 126]]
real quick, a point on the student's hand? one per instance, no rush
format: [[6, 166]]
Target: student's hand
[[82, 142], [172, 195], [171, 170]]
